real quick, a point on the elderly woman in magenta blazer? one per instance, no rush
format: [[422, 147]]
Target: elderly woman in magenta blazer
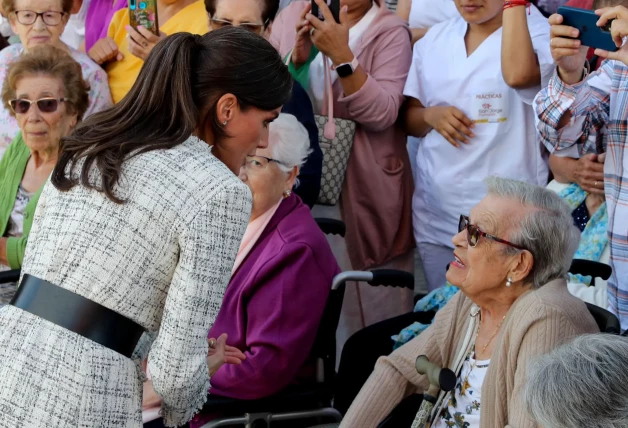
[[281, 277]]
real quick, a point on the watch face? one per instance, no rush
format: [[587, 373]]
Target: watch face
[[344, 70]]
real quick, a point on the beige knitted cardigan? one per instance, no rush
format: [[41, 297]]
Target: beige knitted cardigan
[[537, 322]]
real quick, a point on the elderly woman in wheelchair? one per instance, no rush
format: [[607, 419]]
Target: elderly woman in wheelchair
[[511, 259], [281, 279]]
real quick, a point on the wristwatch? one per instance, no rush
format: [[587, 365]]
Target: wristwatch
[[348, 68]]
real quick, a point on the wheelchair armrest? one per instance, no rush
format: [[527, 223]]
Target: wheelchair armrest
[[385, 277], [9, 276], [590, 268], [330, 226]]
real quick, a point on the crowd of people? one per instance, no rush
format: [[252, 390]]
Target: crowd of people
[[167, 182]]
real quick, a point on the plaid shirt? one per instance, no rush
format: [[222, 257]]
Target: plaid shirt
[[599, 107]]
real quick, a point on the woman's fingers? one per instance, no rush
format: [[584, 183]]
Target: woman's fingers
[[609, 13], [564, 43], [462, 123], [555, 19], [565, 31]]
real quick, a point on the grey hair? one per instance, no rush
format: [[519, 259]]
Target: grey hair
[[289, 142], [547, 231], [581, 384]]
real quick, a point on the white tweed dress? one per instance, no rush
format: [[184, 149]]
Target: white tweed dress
[[163, 259]]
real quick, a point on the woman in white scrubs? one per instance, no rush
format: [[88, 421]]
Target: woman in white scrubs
[[469, 91]]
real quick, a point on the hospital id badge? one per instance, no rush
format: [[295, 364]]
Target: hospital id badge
[[489, 107]]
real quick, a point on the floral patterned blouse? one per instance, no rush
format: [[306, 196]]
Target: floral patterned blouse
[[463, 409], [99, 95]]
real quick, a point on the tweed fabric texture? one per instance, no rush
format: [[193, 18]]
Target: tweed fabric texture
[[162, 259]]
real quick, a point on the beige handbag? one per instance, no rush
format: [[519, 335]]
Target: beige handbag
[[335, 157], [335, 139]]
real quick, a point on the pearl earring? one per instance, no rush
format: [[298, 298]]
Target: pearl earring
[[287, 193], [224, 123], [509, 282]]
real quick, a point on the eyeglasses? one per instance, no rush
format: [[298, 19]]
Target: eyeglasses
[[216, 24], [28, 17], [260, 162], [474, 234], [45, 105]]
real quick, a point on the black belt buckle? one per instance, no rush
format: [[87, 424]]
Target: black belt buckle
[[78, 314]]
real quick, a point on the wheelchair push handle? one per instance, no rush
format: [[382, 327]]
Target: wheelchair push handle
[[392, 278], [330, 226], [441, 378]]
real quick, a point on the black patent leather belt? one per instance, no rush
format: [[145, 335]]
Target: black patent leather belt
[[77, 314]]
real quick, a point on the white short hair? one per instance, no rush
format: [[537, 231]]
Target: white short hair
[[580, 384], [289, 142]]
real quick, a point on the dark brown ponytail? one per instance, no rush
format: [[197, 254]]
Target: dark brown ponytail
[[183, 77]]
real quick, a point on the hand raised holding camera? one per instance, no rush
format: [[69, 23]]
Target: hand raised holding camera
[[567, 52], [618, 17]]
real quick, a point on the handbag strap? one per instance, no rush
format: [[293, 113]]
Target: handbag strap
[[329, 131]]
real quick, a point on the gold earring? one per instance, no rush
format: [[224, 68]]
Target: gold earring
[[287, 193]]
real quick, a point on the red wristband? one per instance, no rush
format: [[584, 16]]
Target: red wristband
[[513, 3]]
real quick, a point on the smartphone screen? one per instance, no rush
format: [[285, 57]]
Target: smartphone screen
[[144, 13], [334, 7]]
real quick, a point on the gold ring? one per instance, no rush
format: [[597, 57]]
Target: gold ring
[[595, 184], [212, 343]]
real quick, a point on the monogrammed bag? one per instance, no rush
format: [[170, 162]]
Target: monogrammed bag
[[335, 158]]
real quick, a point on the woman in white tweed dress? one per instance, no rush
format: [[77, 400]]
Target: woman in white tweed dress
[[143, 219]]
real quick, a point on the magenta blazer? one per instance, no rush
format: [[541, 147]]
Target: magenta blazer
[[274, 303]]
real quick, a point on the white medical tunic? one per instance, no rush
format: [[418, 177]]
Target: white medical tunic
[[449, 180]]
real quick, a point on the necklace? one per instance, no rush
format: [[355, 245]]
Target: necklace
[[465, 383]]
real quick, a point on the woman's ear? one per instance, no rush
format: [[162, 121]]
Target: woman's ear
[[292, 177], [226, 108], [521, 266]]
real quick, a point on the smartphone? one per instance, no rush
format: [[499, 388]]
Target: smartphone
[[590, 34], [334, 7], [144, 13]]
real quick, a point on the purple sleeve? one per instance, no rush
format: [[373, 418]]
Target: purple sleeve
[[99, 16], [283, 317]]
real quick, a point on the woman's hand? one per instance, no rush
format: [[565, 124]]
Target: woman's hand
[[451, 123], [142, 41], [105, 50], [303, 43], [150, 398], [330, 37], [221, 353], [589, 174], [568, 53], [618, 16]]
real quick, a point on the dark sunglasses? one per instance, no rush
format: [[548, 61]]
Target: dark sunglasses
[[45, 105], [474, 234]]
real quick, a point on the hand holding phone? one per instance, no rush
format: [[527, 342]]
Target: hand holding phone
[[331, 37], [589, 33], [616, 19], [334, 7], [144, 13]]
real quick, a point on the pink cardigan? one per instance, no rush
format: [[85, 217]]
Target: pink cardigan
[[376, 199]]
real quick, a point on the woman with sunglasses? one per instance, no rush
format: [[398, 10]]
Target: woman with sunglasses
[[511, 258], [47, 96], [123, 52], [41, 22]]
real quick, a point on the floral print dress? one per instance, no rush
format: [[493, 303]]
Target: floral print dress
[[99, 94], [463, 408]]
